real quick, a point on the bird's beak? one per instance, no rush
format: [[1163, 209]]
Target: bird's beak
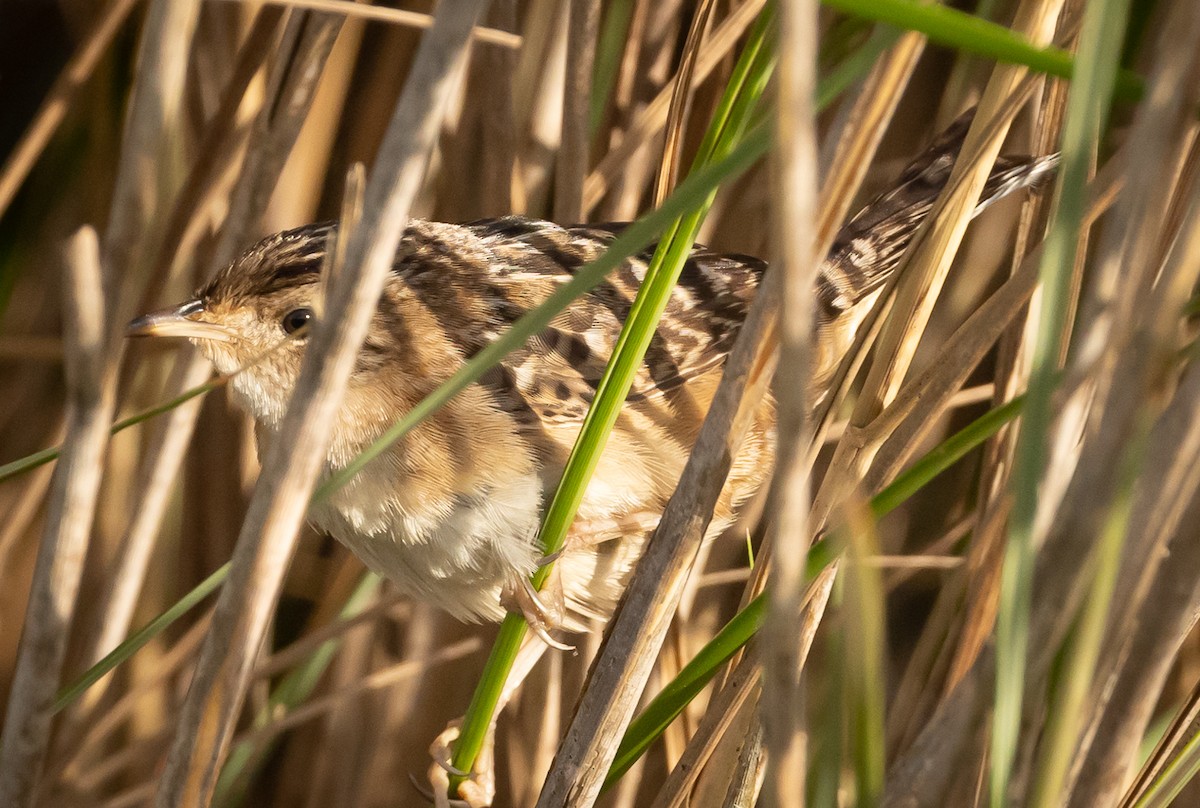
[[178, 321]]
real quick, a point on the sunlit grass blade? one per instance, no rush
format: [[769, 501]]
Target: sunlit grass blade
[[723, 138], [750, 150], [632, 240], [1087, 110], [958, 29], [700, 670], [692, 189], [1177, 772], [864, 647], [614, 28]]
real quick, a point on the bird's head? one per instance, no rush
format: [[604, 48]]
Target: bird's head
[[252, 319]]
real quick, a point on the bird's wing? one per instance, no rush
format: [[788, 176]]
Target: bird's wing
[[557, 372]]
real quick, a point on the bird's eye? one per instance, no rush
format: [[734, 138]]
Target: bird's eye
[[296, 319]]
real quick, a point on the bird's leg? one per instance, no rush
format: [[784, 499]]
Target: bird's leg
[[479, 789]]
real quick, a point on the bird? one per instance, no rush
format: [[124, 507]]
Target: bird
[[450, 513]]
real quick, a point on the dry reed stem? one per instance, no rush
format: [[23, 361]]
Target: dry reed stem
[[676, 653], [394, 16], [681, 97], [219, 151], [923, 271], [292, 81], [1060, 576], [853, 146], [1184, 727], [571, 165], [151, 134], [857, 140], [644, 74], [916, 410], [1159, 599], [1139, 340], [291, 467], [113, 615], [278, 124], [54, 109], [945, 732], [797, 258], [1143, 646], [373, 764], [148, 137], [538, 91], [650, 120], [52, 599]]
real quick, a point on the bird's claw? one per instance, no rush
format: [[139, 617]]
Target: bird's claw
[[477, 791], [543, 611]]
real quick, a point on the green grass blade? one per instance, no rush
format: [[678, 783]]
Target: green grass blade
[[632, 240], [944, 455], [687, 684], [752, 148], [863, 663], [1172, 780], [699, 671], [958, 29], [745, 88], [723, 139], [1087, 110], [40, 458], [610, 47], [140, 637], [1067, 708]]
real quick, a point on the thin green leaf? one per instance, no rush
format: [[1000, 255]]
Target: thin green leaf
[[958, 29], [40, 458], [723, 139], [610, 47], [1087, 111], [1065, 714], [632, 240], [862, 660], [140, 637], [1180, 771]]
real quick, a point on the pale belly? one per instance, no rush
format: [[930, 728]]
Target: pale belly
[[457, 554], [461, 554]]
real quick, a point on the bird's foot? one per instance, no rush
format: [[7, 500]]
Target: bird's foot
[[544, 611], [477, 790]]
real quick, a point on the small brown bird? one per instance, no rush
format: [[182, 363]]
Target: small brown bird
[[450, 513]]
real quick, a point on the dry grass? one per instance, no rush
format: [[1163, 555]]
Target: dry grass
[[182, 131]]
